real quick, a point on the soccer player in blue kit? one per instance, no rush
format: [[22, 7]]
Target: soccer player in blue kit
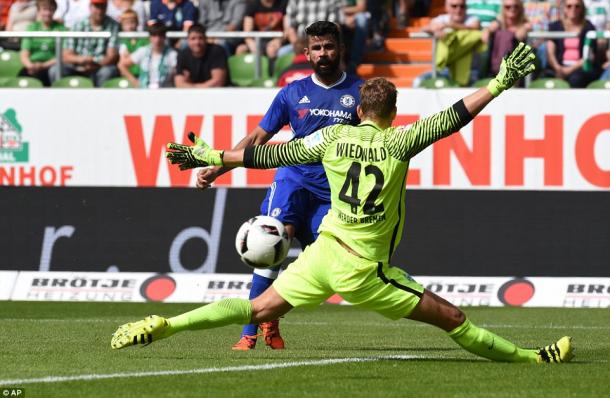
[[299, 196]]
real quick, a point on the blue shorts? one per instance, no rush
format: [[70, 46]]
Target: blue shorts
[[291, 203]]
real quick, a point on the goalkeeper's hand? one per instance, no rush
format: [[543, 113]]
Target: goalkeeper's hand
[[190, 157], [519, 63]]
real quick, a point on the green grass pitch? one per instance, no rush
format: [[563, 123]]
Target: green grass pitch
[[366, 355]]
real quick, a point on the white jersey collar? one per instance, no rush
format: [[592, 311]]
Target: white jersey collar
[[314, 78]]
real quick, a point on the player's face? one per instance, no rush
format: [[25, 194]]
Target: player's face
[[324, 55]]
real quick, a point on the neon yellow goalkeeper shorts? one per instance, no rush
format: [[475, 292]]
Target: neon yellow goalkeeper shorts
[[325, 267]]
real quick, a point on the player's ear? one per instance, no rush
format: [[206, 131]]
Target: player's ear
[[359, 112], [306, 52], [393, 114]]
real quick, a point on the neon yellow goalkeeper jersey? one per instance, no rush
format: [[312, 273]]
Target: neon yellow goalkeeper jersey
[[366, 169]]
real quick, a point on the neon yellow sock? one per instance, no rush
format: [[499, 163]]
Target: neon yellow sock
[[215, 315], [483, 343]]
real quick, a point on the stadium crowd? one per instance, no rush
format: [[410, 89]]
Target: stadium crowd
[[472, 36]]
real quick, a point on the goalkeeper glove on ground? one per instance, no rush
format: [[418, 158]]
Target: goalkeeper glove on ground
[[519, 63], [190, 157]]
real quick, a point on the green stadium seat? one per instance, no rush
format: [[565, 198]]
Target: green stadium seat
[[22, 82], [73, 82], [599, 84], [117, 82], [242, 67], [268, 82], [281, 64], [549, 83], [437, 82], [10, 63], [481, 82]]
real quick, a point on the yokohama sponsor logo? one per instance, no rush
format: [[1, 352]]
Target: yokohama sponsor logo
[[331, 113]]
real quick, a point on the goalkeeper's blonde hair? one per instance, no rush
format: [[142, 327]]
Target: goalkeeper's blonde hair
[[378, 98]]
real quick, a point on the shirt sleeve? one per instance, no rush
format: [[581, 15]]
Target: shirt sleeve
[[278, 114], [309, 149], [189, 12], [154, 10], [113, 42], [138, 55], [250, 9], [26, 42], [408, 141], [239, 10]]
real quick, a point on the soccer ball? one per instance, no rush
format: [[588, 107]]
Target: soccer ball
[[262, 242]]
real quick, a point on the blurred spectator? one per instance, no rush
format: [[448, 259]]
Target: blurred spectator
[[157, 61], [503, 34], [71, 12], [379, 24], [223, 16], [299, 68], [201, 64], [486, 11], [458, 37], [116, 8], [264, 16], [177, 15], [356, 30], [404, 9], [598, 12], [90, 57], [20, 15], [38, 54], [129, 23], [540, 14], [402, 12], [565, 56], [606, 67], [5, 6], [302, 13]]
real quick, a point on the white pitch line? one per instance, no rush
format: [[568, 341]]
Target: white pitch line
[[268, 366]]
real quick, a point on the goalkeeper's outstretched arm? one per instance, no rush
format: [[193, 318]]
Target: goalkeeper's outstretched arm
[[300, 151]]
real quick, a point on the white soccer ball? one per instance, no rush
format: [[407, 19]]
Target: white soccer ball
[[262, 242]]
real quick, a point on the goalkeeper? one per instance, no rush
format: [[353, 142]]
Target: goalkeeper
[[366, 167]]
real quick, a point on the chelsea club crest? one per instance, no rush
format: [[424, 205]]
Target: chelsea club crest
[[347, 101]]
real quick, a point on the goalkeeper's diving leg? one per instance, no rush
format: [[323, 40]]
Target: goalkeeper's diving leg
[[436, 311], [269, 305]]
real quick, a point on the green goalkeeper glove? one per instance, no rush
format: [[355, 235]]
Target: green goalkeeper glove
[[514, 66], [190, 157]]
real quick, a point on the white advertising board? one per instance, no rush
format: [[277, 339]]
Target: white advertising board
[[526, 139], [205, 288], [7, 282]]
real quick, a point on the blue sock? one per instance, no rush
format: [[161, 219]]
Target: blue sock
[[259, 285]]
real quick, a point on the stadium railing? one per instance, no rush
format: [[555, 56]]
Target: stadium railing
[[60, 36], [259, 36]]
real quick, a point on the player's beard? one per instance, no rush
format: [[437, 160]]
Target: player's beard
[[327, 67]]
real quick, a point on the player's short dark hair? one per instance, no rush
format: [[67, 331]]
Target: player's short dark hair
[[196, 28], [378, 97], [157, 29], [324, 28]]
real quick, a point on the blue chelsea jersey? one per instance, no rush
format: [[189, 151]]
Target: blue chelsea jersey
[[308, 105]]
